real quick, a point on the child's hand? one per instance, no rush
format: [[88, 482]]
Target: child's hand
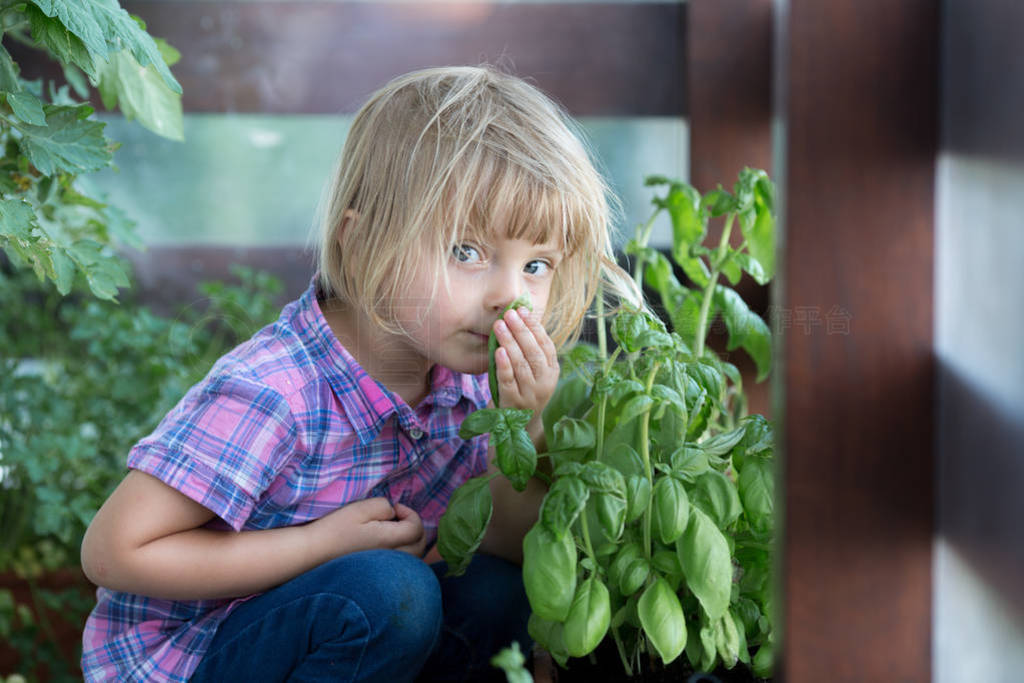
[[527, 361], [368, 524]]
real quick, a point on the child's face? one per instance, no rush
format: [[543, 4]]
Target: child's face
[[453, 328]]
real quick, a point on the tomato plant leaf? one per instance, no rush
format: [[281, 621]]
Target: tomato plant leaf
[[141, 93], [68, 142], [27, 107]]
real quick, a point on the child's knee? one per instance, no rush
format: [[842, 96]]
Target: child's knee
[[400, 596]]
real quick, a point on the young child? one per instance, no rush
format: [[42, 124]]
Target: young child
[[277, 523]]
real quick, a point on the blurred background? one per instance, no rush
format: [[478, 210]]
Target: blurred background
[[271, 86], [893, 130]]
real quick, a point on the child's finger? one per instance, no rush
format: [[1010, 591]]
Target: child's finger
[[529, 346], [506, 375], [543, 339], [510, 344]]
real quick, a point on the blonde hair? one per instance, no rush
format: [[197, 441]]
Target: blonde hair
[[432, 159]]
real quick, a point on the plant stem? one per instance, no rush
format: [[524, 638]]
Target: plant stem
[[645, 454], [602, 341], [622, 651], [643, 236], [602, 408], [716, 268], [584, 529]]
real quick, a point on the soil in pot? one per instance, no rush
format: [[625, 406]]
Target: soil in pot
[[604, 666]]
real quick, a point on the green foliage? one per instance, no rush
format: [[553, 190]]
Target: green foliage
[[81, 380], [49, 135], [658, 526]]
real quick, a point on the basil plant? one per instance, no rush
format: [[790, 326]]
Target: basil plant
[[658, 526]]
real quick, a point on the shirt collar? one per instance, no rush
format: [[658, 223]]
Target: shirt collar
[[367, 403]]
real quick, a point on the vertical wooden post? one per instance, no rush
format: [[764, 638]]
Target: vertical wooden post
[[859, 109]]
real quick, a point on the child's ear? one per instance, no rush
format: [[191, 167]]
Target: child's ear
[[348, 220]]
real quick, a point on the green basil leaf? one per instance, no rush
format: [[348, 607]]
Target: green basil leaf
[[720, 444], [719, 202], [670, 508], [588, 619], [688, 222], [572, 391], [626, 555], [479, 422], [635, 407], [716, 494], [709, 649], [464, 522], [516, 456], [573, 434], [731, 269], [549, 572], [548, 634], [625, 459], [659, 274], [661, 616], [760, 232], [623, 388], [511, 660], [753, 268], [688, 463], [634, 575], [638, 496], [666, 562], [727, 640], [696, 270], [746, 329], [764, 660], [603, 478], [704, 555], [757, 491], [563, 504]]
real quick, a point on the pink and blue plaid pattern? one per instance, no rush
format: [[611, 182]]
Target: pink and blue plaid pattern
[[284, 429]]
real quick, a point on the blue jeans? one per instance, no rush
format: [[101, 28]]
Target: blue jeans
[[378, 615]]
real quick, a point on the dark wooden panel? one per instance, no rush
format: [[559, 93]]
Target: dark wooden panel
[[983, 72], [861, 137], [729, 74], [317, 57], [728, 77]]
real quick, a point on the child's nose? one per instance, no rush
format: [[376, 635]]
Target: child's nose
[[502, 289]]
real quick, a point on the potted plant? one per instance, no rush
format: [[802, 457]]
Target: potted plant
[[656, 534]]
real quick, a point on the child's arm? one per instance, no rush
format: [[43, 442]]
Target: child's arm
[[527, 368], [147, 539]]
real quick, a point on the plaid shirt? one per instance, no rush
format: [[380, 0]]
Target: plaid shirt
[[284, 429]]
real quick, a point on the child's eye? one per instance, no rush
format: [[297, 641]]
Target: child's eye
[[538, 267], [465, 253]]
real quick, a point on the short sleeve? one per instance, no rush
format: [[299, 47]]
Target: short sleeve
[[221, 446]]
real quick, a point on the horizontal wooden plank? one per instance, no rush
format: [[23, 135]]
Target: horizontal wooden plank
[[315, 57]]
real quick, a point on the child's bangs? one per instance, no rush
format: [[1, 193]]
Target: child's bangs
[[513, 202]]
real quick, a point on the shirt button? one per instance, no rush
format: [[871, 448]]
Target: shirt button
[[416, 433]]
